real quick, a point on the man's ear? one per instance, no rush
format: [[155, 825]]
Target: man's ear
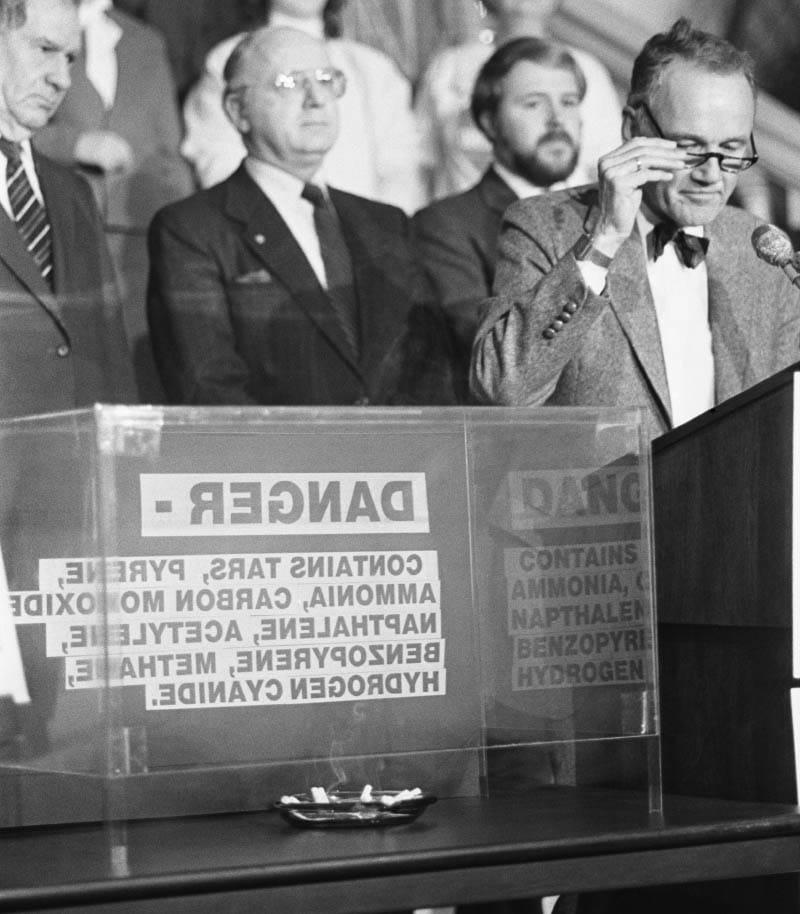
[[232, 103], [487, 125], [630, 127]]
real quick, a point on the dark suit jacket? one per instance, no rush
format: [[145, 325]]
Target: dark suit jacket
[[609, 353], [457, 242], [237, 315], [65, 349], [145, 113]]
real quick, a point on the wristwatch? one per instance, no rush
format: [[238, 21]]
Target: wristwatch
[[584, 249]]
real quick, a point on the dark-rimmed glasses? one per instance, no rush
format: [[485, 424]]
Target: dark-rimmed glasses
[[696, 159]]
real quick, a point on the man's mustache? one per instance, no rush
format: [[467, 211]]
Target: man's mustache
[[557, 134]]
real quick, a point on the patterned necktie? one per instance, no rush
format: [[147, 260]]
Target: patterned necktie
[[338, 265], [691, 249], [29, 214]]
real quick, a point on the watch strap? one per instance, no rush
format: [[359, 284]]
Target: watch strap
[[584, 249]]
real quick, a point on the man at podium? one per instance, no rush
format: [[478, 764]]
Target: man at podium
[[645, 289]]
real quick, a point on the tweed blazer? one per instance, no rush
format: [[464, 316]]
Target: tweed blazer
[[238, 316], [457, 241], [609, 353]]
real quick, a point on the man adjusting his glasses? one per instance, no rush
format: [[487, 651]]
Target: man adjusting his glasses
[[644, 290], [272, 288]]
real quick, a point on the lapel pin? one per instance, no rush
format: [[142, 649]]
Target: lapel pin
[[259, 238]]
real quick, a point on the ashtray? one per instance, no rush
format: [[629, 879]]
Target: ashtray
[[350, 809]]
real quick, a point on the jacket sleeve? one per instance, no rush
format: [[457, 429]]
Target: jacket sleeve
[[454, 267], [187, 311], [538, 319]]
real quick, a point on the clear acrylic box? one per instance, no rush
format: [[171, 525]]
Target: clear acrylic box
[[212, 608]]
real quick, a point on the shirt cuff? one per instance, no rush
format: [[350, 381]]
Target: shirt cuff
[[593, 275]]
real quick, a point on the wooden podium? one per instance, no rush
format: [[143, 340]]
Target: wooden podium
[[726, 506], [725, 496]]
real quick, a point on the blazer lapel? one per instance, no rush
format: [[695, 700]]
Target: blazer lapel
[[494, 191], [268, 237], [632, 302], [728, 290]]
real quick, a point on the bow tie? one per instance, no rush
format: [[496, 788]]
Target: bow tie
[[691, 249]]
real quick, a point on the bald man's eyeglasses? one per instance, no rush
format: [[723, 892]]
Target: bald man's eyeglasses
[[331, 81], [696, 159]]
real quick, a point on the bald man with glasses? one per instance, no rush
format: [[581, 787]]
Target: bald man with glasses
[[271, 287], [645, 290]]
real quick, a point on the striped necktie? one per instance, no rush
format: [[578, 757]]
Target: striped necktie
[[338, 265], [29, 214]]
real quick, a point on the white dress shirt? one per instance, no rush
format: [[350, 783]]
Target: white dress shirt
[[680, 296], [284, 191]]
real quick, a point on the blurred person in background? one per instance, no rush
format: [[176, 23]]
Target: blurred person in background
[[455, 153], [376, 154], [191, 28], [527, 103]]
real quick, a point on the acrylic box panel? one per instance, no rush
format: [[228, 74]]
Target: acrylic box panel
[[222, 606], [563, 552]]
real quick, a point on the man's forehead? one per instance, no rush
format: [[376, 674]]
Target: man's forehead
[[682, 85], [530, 74], [688, 96], [284, 54], [55, 21]]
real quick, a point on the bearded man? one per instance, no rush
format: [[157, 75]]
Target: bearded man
[[526, 101]]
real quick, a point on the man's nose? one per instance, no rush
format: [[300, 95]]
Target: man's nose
[[709, 171], [313, 93], [60, 74]]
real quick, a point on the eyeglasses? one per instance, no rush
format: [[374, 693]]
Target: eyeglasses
[[695, 159], [329, 80]]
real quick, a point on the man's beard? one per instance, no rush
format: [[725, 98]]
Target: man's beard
[[542, 172]]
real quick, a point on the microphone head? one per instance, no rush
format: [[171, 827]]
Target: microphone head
[[772, 245]]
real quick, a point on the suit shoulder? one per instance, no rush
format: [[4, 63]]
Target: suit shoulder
[[572, 202], [450, 209], [733, 218], [195, 210], [385, 213]]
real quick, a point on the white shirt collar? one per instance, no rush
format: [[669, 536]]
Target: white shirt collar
[[272, 179], [284, 192]]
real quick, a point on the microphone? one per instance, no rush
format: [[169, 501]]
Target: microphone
[[774, 246]]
